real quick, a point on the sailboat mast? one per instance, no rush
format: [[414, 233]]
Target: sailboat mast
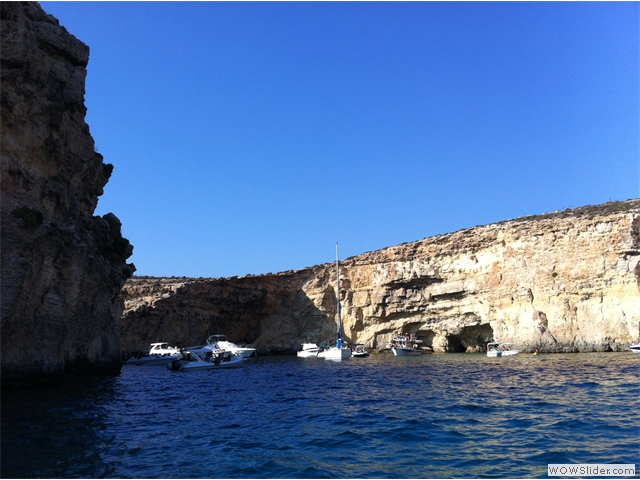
[[339, 341]]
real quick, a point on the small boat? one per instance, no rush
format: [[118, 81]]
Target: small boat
[[405, 345], [635, 348], [192, 360], [222, 343], [497, 349], [309, 350], [359, 351], [159, 354], [338, 351]]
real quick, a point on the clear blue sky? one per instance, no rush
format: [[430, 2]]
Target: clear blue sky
[[249, 137]]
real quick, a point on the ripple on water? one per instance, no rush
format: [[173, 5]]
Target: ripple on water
[[281, 417]]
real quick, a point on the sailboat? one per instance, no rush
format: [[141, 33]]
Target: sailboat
[[339, 351]]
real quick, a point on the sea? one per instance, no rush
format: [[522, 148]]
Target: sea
[[431, 416]]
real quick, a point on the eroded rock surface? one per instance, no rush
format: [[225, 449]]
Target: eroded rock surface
[[62, 267], [565, 281]]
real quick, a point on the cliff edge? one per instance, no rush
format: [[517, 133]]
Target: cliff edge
[[564, 282], [62, 267]]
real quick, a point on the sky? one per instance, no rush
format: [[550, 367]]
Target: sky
[[250, 137]]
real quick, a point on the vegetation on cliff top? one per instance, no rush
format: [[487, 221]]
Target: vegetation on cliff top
[[588, 211]]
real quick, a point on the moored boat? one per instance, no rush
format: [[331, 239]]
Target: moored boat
[[308, 350], [498, 349], [405, 345], [359, 351], [635, 348], [211, 359], [220, 341], [336, 352], [339, 351], [159, 354]]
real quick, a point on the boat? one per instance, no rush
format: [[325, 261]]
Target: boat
[[635, 348], [159, 354], [217, 343], [202, 349], [192, 360], [308, 350], [339, 351], [405, 345], [222, 343], [359, 351], [498, 349], [162, 348]]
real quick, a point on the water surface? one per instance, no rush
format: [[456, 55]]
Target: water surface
[[433, 416]]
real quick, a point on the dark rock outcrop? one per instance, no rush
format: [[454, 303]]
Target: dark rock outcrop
[[62, 267]]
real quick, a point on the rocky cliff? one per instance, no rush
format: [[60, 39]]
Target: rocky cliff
[[565, 282], [62, 267]]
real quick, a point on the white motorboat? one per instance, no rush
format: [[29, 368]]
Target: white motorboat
[[498, 349], [159, 354], [338, 351], [308, 350], [635, 348], [359, 351], [222, 343], [208, 360], [162, 348], [405, 345], [202, 349]]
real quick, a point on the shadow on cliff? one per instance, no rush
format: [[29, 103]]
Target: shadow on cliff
[[272, 312]]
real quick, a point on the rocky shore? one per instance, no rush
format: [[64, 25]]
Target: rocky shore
[[564, 282]]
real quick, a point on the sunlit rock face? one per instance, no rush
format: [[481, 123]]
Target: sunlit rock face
[[62, 267], [564, 282]]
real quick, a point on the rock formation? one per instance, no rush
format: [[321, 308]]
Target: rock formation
[[565, 282], [62, 267]]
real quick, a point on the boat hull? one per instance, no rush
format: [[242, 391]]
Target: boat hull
[[153, 360], [309, 350], [335, 354], [185, 365], [360, 354], [245, 352], [635, 348], [307, 353], [509, 353], [406, 352]]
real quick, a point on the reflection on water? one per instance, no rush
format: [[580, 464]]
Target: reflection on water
[[462, 415]]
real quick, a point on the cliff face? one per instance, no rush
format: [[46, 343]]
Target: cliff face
[[62, 267], [567, 281]]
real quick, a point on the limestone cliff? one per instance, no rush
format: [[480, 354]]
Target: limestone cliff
[[565, 281], [62, 267]]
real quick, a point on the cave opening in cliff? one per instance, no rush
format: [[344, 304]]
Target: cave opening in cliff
[[455, 344], [474, 337]]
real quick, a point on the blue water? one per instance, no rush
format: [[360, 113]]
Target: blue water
[[434, 416]]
